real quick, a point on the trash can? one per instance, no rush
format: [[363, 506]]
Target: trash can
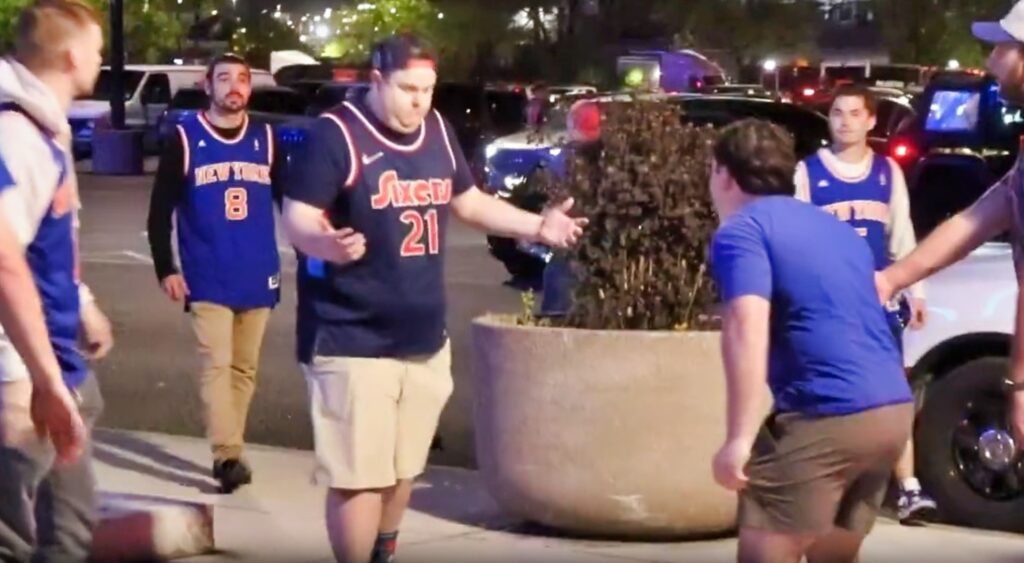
[[117, 152]]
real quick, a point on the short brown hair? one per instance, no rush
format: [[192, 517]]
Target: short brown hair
[[853, 90], [226, 58], [45, 24], [759, 155]]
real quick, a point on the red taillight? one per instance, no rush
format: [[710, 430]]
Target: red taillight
[[808, 92], [584, 122], [902, 150]]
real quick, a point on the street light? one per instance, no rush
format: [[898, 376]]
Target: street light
[[771, 65]]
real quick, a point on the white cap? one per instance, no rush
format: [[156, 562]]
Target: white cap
[[1007, 30]]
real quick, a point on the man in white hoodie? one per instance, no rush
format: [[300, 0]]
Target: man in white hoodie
[[48, 396]]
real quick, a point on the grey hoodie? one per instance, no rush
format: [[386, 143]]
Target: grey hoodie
[[35, 171]]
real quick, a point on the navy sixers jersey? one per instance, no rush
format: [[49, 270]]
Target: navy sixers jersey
[[52, 258], [396, 191], [864, 203], [226, 218]]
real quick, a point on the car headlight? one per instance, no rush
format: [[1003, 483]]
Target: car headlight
[[555, 151], [490, 151]]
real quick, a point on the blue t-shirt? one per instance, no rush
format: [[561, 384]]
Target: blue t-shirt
[[396, 190], [831, 350]]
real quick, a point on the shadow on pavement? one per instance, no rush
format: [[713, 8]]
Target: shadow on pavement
[[109, 448], [458, 495]]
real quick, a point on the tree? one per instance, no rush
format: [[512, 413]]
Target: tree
[[259, 35], [935, 31], [357, 28]]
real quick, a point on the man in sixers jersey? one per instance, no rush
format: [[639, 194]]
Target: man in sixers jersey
[[49, 397], [868, 191], [368, 210], [216, 174]]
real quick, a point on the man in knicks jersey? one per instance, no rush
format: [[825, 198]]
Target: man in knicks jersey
[[386, 171], [868, 191], [217, 174]]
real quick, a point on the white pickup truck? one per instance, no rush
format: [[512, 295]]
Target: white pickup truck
[[966, 458]]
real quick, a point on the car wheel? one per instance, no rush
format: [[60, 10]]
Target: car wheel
[[965, 455]]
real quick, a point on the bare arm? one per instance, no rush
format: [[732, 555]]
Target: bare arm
[[745, 354], [957, 237], [495, 216], [802, 183], [21, 313], [902, 239]]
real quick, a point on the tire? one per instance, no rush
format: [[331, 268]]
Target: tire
[[519, 264], [969, 397]]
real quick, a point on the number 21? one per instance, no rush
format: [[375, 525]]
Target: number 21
[[413, 245]]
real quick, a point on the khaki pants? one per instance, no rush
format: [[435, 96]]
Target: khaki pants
[[229, 349], [374, 418]]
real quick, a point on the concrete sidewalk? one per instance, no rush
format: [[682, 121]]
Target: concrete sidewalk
[[280, 516]]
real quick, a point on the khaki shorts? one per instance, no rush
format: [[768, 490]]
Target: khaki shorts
[[374, 418], [810, 475]]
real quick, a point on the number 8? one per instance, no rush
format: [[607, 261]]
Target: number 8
[[236, 203]]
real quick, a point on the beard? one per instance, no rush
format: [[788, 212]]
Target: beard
[[230, 105]]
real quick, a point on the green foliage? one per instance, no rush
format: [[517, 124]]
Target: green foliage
[[642, 264], [359, 28], [935, 31]]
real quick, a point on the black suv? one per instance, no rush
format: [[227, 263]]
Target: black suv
[[963, 139]]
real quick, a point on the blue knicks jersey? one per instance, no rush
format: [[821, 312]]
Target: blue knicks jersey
[[52, 258], [226, 218], [863, 204], [391, 302]]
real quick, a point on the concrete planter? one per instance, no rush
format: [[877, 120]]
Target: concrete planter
[[602, 433]]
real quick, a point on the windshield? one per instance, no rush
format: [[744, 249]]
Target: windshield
[[105, 84]]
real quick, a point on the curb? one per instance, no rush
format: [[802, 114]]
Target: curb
[[145, 528]]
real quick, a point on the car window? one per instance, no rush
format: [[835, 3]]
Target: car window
[[283, 102], [157, 89], [105, 84], [330, 95], [190, 98], [810, 130], [883, 118]]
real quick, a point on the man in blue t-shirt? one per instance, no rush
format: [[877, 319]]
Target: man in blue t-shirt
[[800, 313], [368, 210]]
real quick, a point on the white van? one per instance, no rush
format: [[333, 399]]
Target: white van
[[148, 90]]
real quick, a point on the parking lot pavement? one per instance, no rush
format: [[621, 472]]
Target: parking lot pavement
[[148, 380]]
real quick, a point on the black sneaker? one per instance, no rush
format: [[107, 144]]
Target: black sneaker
[[232, 474], [916, 508]]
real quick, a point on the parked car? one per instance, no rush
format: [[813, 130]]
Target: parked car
[[740, 90], [967, 458], [332, 94], [513, 160], [963, 138], [148, 90]]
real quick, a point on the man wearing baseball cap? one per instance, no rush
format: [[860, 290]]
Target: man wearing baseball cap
[[368, 211], [999, 210]]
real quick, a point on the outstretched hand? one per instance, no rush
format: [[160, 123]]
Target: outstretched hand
[[557, 228]]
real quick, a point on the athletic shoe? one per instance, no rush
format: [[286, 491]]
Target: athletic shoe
[[916, 508]]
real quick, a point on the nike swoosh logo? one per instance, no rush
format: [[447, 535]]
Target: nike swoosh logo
[[368, 160]]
